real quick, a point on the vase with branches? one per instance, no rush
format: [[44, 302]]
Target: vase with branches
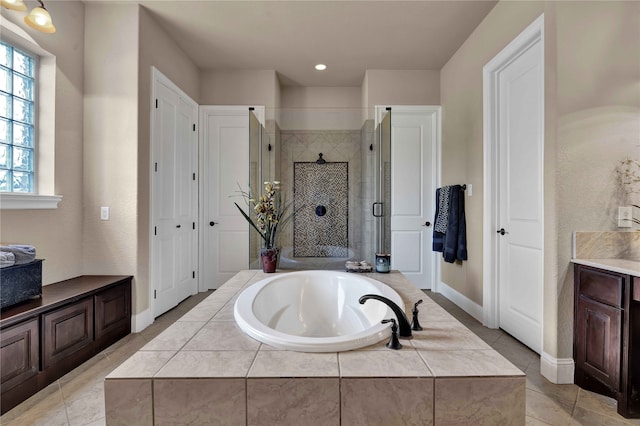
[[268, 213]]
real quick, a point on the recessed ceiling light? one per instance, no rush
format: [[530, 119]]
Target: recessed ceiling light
[[321, 67]]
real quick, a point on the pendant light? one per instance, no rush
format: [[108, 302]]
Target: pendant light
[[39, 19], [14, 5]]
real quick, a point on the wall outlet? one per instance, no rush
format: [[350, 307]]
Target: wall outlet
[[624, 217], [104, 213]]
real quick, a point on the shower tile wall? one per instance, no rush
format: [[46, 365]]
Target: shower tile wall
[[336, 146], [320, 226]]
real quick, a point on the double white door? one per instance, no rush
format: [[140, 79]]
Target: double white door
[[174, 195]]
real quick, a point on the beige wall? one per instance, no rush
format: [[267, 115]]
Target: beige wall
[[156, 49], [57, 234], [592, 101], [111, 139], [320, 108], [241, 87], [462, 155], [400, 87], [598, 125]]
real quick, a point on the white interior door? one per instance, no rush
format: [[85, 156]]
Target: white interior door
[[174, 195], [520, 227], [225, 142], [414, 133]]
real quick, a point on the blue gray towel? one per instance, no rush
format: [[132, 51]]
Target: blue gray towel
[[7, 259], [23, 253]]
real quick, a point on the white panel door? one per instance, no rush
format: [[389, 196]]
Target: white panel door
[[520, 159], [413, 137], [225, 170], [174, 196]]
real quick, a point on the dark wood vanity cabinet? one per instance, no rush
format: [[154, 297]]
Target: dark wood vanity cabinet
[[606, 342], [43, 339]]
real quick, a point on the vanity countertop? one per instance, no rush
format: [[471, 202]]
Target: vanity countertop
[[623, 266]]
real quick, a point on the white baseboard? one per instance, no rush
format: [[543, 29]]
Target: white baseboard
[[557, 370], [466, 304], [141, 321]]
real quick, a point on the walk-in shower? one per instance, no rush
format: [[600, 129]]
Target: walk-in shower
[[338, 180]]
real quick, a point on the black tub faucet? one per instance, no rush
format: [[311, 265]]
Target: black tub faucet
[[403, 322]]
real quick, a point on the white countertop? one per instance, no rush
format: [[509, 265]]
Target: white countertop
[[623, 266]]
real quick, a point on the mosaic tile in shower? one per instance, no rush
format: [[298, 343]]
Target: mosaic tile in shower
[[321, 227]]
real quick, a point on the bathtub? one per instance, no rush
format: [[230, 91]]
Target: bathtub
[[315, 311], [289, 261]]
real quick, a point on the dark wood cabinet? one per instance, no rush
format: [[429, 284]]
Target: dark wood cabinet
[[19, 354], [606, 342], [43, 339], [66, 330]]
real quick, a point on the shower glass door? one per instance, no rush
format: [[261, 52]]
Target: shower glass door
[[382, 206], [257, 171]]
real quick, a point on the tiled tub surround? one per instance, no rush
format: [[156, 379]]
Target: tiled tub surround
[[204, 370]]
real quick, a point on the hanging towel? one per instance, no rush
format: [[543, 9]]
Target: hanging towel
[[440, 222], [7, 259], [438, 237], [455, 239], [23, 253]]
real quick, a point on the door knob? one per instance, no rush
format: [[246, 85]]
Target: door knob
[[212, 223], [177, 226], [501, 231], [427, 224]]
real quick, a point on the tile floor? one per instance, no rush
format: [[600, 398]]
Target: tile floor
[[78, 397]]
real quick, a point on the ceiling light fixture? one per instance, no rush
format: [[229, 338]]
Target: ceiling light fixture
[[14, 5], [38, 19], [321, 67]]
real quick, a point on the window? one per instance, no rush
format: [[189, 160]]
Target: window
[[27, 132], [17, 106]]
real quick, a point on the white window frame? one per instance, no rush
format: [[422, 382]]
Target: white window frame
[[44, 131]]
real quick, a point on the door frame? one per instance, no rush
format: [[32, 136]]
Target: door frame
[[436, 149], [231, 110], [156, 77], [532, 35]]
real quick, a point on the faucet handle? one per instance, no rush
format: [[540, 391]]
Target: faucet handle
[[415, 324], [393, 343]]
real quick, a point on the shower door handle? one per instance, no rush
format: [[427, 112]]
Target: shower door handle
[[373, 209]]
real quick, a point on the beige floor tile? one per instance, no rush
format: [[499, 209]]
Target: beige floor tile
[[546, 409], [584, 417]]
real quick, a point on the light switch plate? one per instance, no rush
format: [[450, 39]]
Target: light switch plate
[[104, 213], [624, 217]]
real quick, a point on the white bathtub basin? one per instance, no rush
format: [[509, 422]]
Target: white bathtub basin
[[315, 311]]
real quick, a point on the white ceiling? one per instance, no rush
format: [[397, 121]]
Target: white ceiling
[[292, 36]]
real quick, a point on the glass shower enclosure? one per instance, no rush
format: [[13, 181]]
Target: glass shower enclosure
[[354, 183]]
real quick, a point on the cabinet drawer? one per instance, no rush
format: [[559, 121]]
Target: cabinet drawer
[[19, 349], [603, 286], [66, 330], [113, 311]]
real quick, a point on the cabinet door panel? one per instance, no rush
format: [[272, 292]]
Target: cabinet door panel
[[19, 348], [113, 311], [605, 287], [67, 330], [598, 341]]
